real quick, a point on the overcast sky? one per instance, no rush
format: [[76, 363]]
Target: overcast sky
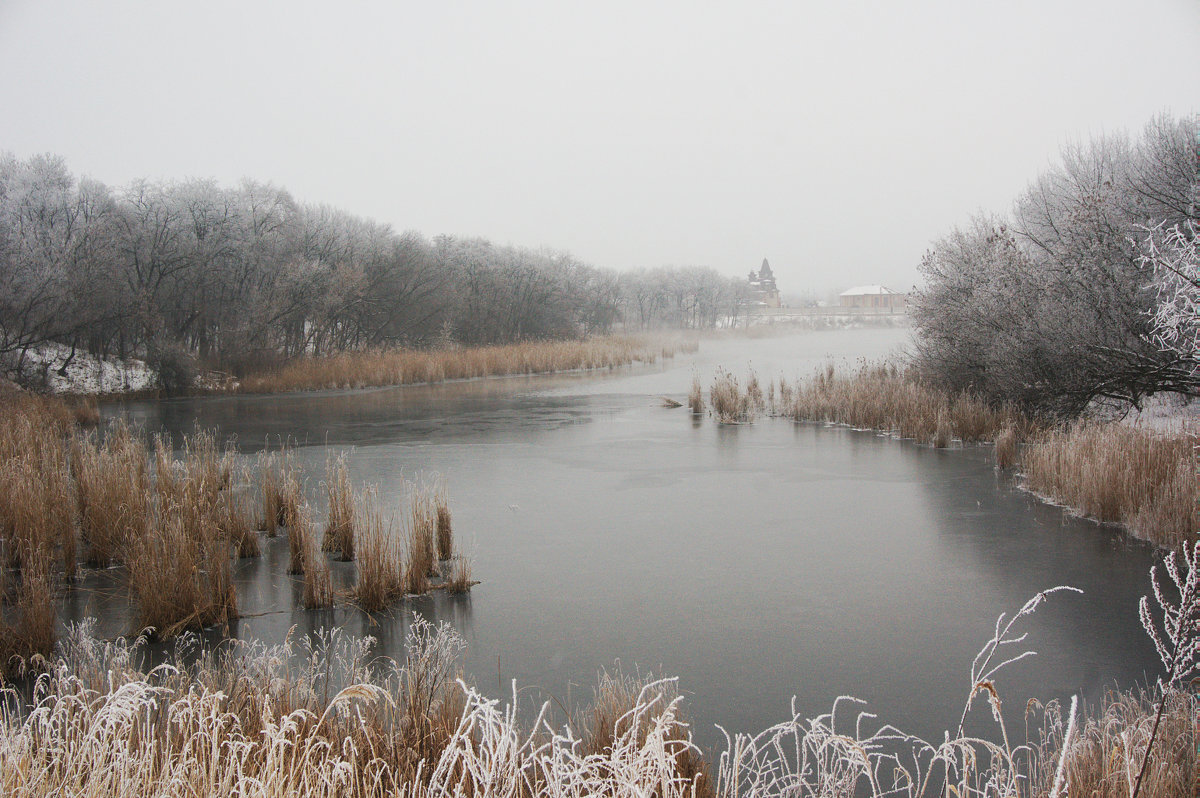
[[836, 139]]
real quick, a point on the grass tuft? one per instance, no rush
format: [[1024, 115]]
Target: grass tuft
[[339, 531]]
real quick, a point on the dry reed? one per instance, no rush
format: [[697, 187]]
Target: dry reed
[[729, 404], [1006, 447], [1101, 758], [888, 398], [408, 366], [420, 550], [379, 568], [696, 397], [1113, 472], [460, 581], [318, 583], [339, 530], [443, 521], [322, 717], [299, 527], [272, 499], [114, 492]]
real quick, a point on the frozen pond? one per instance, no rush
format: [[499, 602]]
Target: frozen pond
[[755, 562]]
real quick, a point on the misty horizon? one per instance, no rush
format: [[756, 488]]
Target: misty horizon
[[836, 142]]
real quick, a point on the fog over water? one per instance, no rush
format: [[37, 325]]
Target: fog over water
[[756, 562]]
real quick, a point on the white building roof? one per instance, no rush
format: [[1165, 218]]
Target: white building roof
[[859, 290]]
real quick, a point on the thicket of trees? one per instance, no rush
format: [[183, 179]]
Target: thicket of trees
[[1056, 305], [189, 272]]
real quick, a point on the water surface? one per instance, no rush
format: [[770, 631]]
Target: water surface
[[755, 562]]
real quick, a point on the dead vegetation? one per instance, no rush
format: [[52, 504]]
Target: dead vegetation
[[173, 521], [696, 397], [1112, 472], [379, 568], [729, 404], [409, 366], [321, 716], [444, 522], [339, 530]]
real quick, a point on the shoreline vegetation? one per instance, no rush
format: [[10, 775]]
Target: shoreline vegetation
[[324, 717], [386, 367], [174, 523], [1107, 471], [400, 366]]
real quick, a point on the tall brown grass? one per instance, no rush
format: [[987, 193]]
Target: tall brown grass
[[892, 399], [318, 582], [444, 522], [339, 530], [114, 492], [379, 567], [1007, 443], [31, 639], [181, 576], [408, 366], [420, 561], [272, 498], [696, 397], [460, 578], [1101, 759], [1114, 472], [299, 526], [729, 404]]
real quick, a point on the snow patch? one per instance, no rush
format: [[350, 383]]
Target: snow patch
[[85, 374]]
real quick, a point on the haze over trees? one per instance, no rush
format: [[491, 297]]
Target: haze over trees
[[190, 273], [1082, 292]]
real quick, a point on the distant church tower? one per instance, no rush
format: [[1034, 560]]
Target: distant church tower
[[763, 291]]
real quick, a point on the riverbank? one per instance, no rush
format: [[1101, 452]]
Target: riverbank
[[1141, 476], [60, 371]]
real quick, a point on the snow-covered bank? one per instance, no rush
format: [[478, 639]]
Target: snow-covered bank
[[46, 367]]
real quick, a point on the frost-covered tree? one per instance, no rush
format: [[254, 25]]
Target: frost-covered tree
[[1051, 309]]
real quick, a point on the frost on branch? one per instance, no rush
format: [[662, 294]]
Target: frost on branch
[[1178, 641], [1174, 258]]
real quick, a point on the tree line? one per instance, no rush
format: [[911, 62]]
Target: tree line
[[1072, 297], [188, 272]]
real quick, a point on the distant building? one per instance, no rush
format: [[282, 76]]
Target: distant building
[[763, 291], [876, 297]]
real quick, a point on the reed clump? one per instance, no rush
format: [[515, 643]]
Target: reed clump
[[460, 579], [696, 397], [1113, 472], [379, 567], [29, 642], [181, 576], [401, 366], [420, 561], [1007, 442], [272, 497], [444, 523], [624, 711], [318, 582], [729, 404], [299, 525], [895, 400], [339, 530]]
